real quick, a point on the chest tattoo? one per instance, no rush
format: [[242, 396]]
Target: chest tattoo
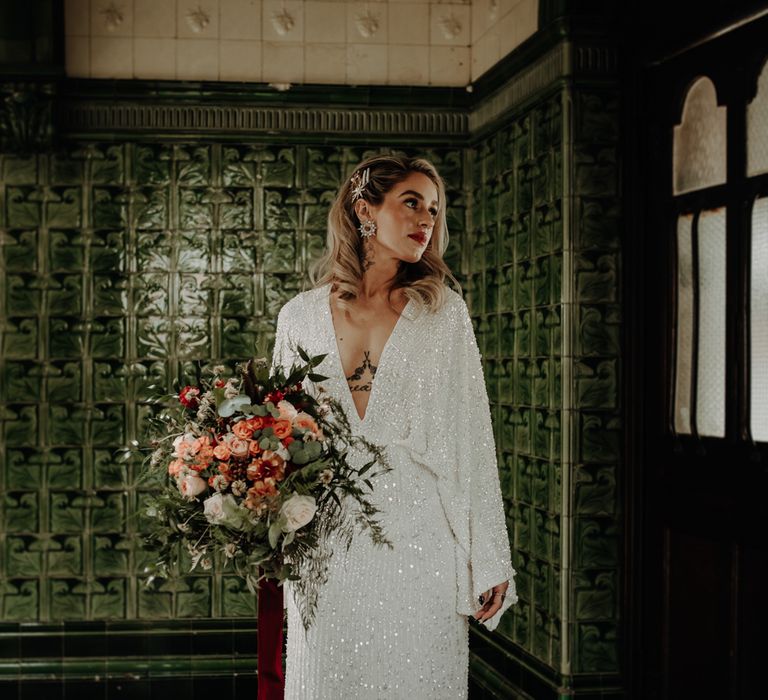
[[357, 375]]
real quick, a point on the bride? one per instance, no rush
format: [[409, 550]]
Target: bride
[[404, 362]]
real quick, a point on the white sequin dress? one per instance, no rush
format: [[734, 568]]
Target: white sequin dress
[[394, 623]]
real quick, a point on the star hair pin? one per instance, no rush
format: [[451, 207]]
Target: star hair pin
[[359, 181]]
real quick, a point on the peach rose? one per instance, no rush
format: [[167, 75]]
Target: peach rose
[[254, 448], [191, 486], [239, 448], [305, 422], [282, 428], [222, 451], [256, 422], [242, 430]]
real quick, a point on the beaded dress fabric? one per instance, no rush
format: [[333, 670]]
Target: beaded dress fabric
[[394, 623]]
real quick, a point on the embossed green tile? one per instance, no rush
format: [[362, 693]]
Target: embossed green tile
[[67, 598], [599, 330], [64, 467], [67, 512], [278, 167], [21, 472], [153, 337], [596, 647], [108, 599], [194, 299], [65, 556], [67, 425], [20, 425], [595, 489], [65, 294], [111, 555], [64, 381], [156, 604], [21, 512], [62, 207], [237, 600], [596, 278], [598, 223], [596, 384], [281, 212], [23, 295], [66, 251], [108, 473], [107, 163], [107, 512], [151, 164], [20, 251], [193, 597], [595, 594], [597, 543], [193, 164], [20, 600], [278, 251], [109, 207], [600, 439], [23, 556], [150, 208], [22, 207], [23, 382]]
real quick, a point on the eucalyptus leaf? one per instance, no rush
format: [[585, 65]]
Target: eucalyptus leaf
[[229, 406]]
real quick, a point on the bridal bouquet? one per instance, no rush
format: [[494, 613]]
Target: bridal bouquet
[[253, 471]]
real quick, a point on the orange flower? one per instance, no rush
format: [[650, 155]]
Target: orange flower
[[256, 422], [242, 430], [253, 448], [282, 428]]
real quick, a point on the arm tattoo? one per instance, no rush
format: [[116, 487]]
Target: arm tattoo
[[358, 374]]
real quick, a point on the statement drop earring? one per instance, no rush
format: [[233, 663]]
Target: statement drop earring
[[367, 228]]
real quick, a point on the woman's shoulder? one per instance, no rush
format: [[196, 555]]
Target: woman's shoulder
[[306, 302]]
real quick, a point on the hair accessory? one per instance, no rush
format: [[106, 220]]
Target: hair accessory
[[367, 228], [359, 181]]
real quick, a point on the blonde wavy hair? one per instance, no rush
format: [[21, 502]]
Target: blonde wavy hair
[[342, 262]]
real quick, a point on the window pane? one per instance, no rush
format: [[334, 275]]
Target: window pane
[[759, 322], [684, 344], [699, 140], [757, 128], [710, 371]]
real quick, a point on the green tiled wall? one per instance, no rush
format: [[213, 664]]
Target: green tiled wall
[[124, 265], [545, 200]]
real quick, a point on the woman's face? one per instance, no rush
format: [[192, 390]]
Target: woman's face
[[404, 220]]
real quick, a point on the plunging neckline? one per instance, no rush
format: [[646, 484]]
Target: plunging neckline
[[382, 357]]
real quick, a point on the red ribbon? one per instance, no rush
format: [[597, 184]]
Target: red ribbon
[[271, 680]]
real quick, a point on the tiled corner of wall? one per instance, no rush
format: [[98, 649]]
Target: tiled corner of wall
[[353, 42]]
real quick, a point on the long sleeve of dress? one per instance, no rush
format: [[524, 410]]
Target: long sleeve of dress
[[489, 553]]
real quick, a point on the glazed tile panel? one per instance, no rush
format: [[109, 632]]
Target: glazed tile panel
[[520, 243], [123, 266]]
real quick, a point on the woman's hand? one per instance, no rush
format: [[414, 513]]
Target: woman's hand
[[491, 602]]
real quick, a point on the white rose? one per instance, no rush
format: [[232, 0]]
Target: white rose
[[297, 512], [282, 452], [287, 409], [222, 509], [191, 485]]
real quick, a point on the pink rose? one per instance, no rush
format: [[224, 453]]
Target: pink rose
[[191, 486]]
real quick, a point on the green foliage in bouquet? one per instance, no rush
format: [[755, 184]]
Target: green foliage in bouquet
[[255, 472]]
